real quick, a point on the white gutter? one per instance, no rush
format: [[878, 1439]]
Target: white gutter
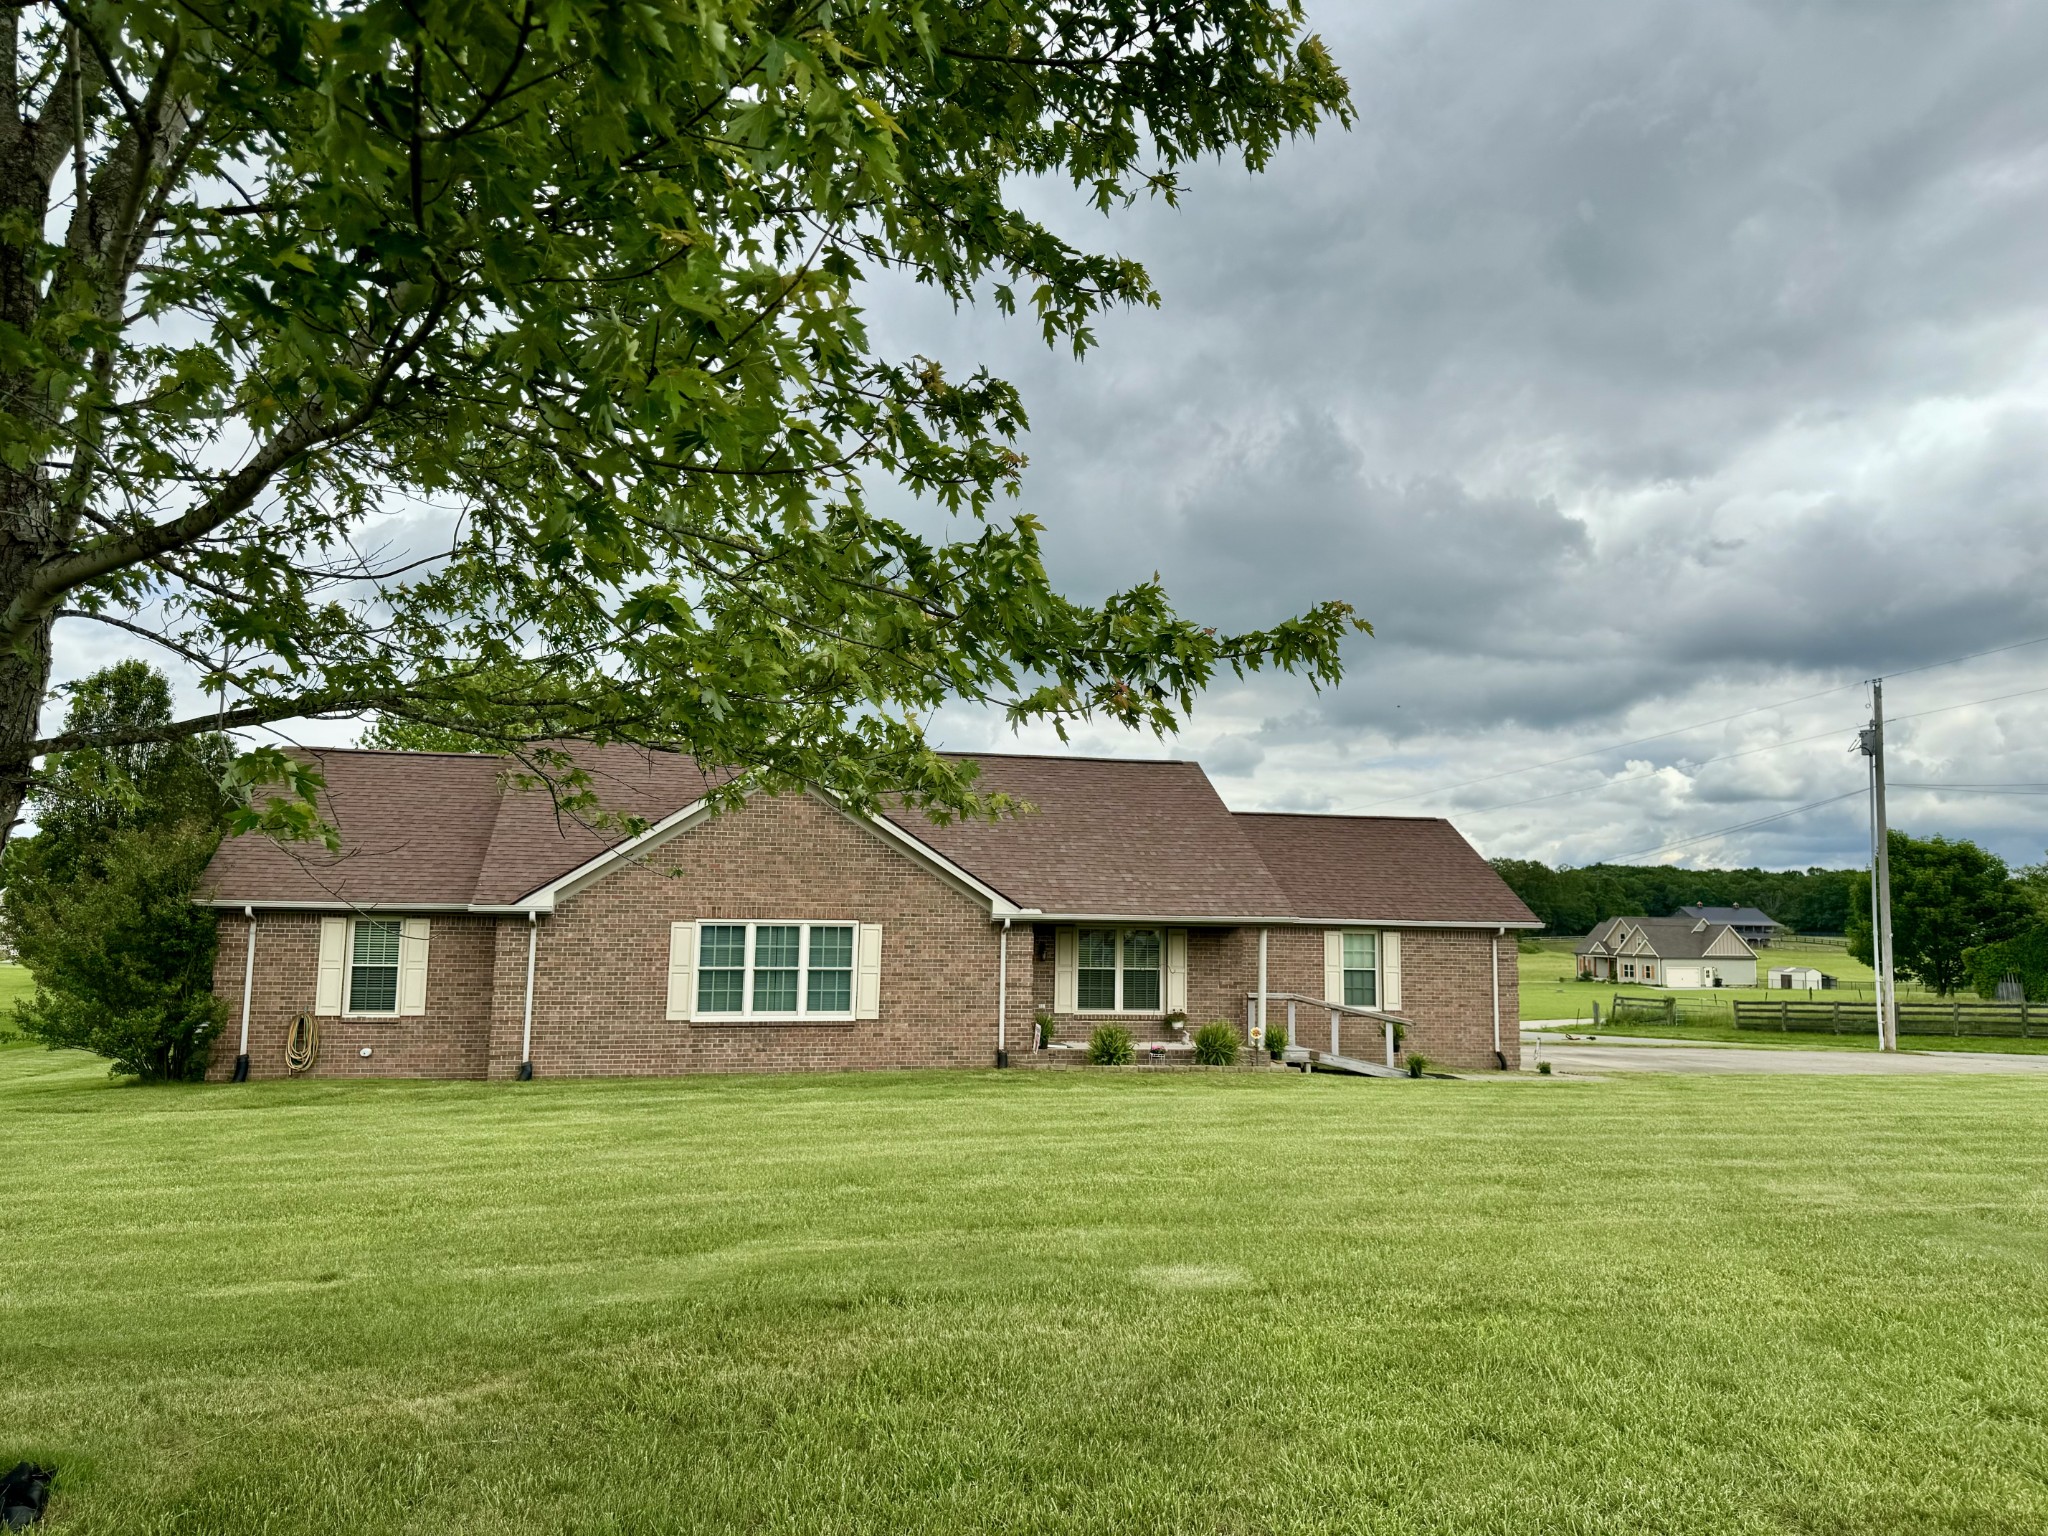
[[1267, 919], [1498, 1054], [526, 1029], [1002, 993], [248, 985]]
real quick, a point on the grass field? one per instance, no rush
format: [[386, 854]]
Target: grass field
[[1549, 994], [1028, 1302]]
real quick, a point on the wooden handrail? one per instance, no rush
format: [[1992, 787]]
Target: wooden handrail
[[1323, 1002]]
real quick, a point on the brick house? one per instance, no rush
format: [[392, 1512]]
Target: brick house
[[467, 929]]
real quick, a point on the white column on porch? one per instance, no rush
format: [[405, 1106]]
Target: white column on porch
[[1259, 1031]]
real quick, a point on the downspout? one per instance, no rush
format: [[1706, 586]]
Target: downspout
[[1002, 993], [1498, 1055], [526, 1029], [1259, 1034], [248, 982]]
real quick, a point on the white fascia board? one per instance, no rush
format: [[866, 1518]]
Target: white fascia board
[[334, 904], [543, 899], [1212, 920], [1000, 906]]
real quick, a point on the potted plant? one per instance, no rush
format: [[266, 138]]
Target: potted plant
[[1048, 1028]]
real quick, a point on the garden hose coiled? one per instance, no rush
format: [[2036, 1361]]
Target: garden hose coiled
[[301, 1045]]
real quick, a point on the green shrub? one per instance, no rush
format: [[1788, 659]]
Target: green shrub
[[1216, 1044], [1048, 1029], [1276, 1037], [2025, 956], [1417, 1065], [1543, 1067], [1110, 1046]]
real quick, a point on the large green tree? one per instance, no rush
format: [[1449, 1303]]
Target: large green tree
[[573, 284], [98, 903], [1948, 897]]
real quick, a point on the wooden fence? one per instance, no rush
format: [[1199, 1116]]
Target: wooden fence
[[1928, 1016]]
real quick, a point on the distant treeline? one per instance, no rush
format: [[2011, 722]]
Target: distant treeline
[[1573, 900]]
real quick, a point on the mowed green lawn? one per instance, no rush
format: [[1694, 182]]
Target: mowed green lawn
[[1028, 1302]]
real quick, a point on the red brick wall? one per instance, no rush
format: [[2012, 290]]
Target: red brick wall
[[449, 1040], [602, 974], [602, 969], [1445, 993]]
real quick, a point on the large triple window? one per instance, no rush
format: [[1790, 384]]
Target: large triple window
[[1118, 970], [792, 970]]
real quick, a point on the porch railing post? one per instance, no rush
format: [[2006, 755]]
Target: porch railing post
[[1390, 1042]]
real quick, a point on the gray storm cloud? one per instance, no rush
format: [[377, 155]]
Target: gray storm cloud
[[1628, 366]]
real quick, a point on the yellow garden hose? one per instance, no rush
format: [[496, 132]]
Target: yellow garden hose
[[301, 1045]]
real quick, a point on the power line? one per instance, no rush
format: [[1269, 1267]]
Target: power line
[[1634, 778], [1508, 773], [1621, 746], [1684, 842], [1796, 741], [1996, 650]]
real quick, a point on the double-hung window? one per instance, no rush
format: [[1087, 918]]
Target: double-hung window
[[1117, 970], [1361, 970], [373, 966], [775, 970]]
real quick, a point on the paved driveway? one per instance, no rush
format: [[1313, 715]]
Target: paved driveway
[[1619, 1053]]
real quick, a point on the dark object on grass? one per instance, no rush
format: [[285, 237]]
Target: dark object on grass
[[24, 1493], [1417, 1065], [1543, 1067]]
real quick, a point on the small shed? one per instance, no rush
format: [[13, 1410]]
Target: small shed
[[1799, 978]]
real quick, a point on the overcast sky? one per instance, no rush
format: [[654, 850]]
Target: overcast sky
[[1629, 366]]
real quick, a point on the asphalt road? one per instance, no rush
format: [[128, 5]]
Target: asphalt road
[[1616, 1053]]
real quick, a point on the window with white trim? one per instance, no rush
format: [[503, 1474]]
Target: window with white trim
[[1361, 970], [1119, 970], [775, 970], [373, 950]]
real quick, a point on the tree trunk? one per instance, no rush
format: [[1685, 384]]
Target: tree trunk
[[28, 525]]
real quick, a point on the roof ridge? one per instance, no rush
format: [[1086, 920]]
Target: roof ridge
[[1340, 816], [1082, 757]]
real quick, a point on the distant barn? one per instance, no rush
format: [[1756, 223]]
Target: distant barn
[[1757, 928]]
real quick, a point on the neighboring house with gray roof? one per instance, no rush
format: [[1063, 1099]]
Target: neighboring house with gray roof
[[1667, 952], [1757, 927], [469, 927]]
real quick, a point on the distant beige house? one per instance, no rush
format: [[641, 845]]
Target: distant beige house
[[1667, 952]]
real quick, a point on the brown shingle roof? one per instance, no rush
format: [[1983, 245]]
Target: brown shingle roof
[[446, 829], [1380, 869], [1107, 837], [532, 845]]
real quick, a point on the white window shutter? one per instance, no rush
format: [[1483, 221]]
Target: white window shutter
[[1066, 952], [1390, 970], [333, 953], [1176, 970], [682, 969], [1333, 966], [412, 967], [867, 983]]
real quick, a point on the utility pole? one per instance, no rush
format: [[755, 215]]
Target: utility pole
[[1872, 743]]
